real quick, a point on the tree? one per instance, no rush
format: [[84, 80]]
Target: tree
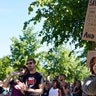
[[63, 21], [5, 68], [23, 48], [59, 61]]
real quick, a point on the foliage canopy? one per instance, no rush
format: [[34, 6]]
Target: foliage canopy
[[63, 21]]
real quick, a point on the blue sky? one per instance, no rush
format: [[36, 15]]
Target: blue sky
[[13, 13]]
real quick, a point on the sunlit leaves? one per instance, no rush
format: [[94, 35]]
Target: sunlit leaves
[[59, 61], [5, 67], [64, 19], [23, 47]]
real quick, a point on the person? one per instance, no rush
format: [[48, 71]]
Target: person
[[73, 85], [47, 85], [1, 88], [55, 89], [33, 81], [46, 88], [89, 84], [64, 86], [13, 84], [77, 90]]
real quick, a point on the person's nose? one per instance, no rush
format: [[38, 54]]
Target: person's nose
[[95, 64]]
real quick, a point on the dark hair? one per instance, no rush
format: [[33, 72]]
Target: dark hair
[[63, 75], [21, 77], [25, 68], [57, 83], [31, 59], [92, 62]]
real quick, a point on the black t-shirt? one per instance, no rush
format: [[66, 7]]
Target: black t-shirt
[[79, 91], [1, 89], [32, 81], [46, 92]]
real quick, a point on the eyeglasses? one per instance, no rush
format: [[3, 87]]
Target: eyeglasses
[[29, 63]]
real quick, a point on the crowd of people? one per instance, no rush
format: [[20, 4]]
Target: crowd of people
[[59, 87], [29, 82]]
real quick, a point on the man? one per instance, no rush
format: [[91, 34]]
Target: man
[[64, 86], [33, 80]]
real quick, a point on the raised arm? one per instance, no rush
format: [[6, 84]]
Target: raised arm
[[7, 81]]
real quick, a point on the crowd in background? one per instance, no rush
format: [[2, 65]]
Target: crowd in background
[[59, 87], [29, 82], [56, 87]]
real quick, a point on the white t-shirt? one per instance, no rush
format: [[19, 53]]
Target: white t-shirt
[[53, 92]]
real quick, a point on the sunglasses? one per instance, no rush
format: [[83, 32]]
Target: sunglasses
[[21, 69], [29, 63]]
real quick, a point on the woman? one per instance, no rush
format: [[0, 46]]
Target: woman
[[89, 85], [55, 90], [15, 83], [77, 90]]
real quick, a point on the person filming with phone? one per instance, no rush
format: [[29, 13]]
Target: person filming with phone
[[13, 84]]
